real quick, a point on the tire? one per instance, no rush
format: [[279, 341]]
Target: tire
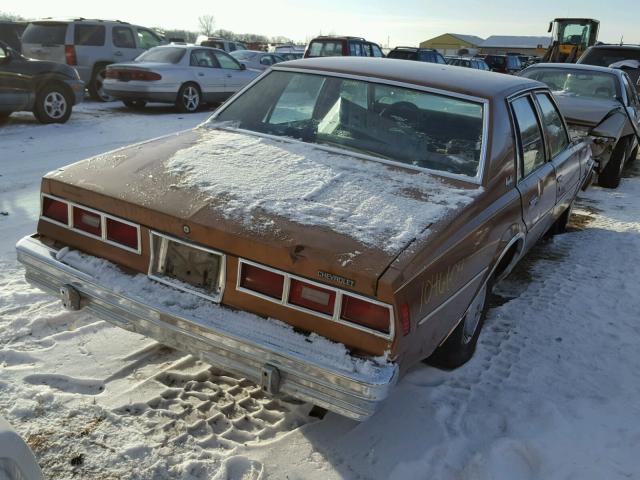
[[610, 176], [135, 104], [633, 155], [461, 344], [53, 104], [95, 87], [560, 225], [189, 98]]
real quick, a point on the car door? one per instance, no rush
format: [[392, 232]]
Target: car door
[[124, 44], [536, 175], [234, 76], [208, 73], [563, 157], [16, 91]]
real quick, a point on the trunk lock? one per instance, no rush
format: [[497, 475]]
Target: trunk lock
[[70, 297], [270, 379]]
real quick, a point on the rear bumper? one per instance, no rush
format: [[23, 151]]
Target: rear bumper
[[160, 97], [355, 394]]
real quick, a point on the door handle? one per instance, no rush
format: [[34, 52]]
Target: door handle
[[200, 74], [117, 54], [534, 201], [540, 187], [229, 75]]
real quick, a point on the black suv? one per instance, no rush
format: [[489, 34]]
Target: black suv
[[419, 54], [47, 89], [504, 63], [625, 57], [342, 47]]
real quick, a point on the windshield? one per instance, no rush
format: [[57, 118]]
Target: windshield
[[575, 82], [162, 55], [604, 57], [242, 54], [413, 127], [45, 33]]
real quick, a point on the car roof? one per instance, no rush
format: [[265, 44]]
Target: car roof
[[575, 66], [442, 77]]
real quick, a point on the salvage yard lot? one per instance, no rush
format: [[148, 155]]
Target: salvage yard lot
[[551, 392]]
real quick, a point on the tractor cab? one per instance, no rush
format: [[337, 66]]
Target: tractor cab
[[570, 38]]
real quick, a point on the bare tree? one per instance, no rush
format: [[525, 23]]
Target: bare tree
[[206, 23], [11, 17]]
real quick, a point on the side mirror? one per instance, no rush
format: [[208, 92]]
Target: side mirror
[[243, 66], [550, 27]]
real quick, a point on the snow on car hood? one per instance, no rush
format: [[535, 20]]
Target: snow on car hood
[[379, 205]]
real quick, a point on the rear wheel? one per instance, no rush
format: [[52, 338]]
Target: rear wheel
[[189, 98], [461, 344], [53, 104], [96, 84], [610, 176], [135, 104]]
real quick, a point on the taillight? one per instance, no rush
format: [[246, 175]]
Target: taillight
[[262, 281], [365, 313], [145, 76], [405, 318], [112, 73], [128, 74], [55, 210], [122, 233], [87, 221], [70, 55], [310, 296]]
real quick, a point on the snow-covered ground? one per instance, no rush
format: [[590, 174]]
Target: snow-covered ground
[[552, 392]]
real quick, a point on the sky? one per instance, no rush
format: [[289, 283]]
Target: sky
[[401, 22]]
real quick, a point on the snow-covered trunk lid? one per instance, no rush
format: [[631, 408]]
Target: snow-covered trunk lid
[[284, 203]]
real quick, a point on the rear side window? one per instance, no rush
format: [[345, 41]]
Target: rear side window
[[531, 145], [89, 35], [325, 49], [376, 51], [123, 38], [427, 57], [45, 33], [355, 49], [403, 54], [553, 126]]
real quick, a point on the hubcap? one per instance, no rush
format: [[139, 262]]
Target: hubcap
[[473, 316], [191, 98], [55, 105]]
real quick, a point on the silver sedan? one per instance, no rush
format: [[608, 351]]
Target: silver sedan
[[255, 59], [184, 75]]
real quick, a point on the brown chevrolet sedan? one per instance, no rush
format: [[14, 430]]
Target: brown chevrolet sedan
[[335, 222]]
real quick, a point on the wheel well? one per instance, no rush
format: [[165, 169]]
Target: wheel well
[[191, 82], [66, 89], [508, 258]]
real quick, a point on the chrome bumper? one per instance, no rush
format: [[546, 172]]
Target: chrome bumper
[[352, 394]]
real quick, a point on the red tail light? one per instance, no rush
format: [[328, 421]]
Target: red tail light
[[314, 298], [87, 221], [365, 313], [262, 281], [55, 210], [122, 233], [127, 75], [405, 318], [70, 55]]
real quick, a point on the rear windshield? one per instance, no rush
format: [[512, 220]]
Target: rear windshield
[[162, 55], [418, 128], [513, 62], [45, 33], [325, 48], [495, 60], [604, 57], [575, 82], [403, 54]]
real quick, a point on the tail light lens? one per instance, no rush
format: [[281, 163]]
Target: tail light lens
[[122, 233], [70, 55], [55, 210], [314, 298], [367, 314], [262, 281], [145, 76], [87, 221]]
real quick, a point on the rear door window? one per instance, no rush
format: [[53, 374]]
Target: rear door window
[[203, 58], [47, 33], [376, 51], [553, 125], [226, 61], [123, 38], [355, 49], [426, 57], [325, 49], [531, 144], [89, 35]]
